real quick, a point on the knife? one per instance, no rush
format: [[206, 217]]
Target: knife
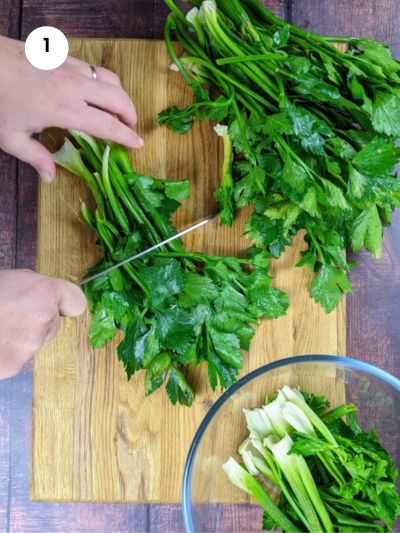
[[193, 227]]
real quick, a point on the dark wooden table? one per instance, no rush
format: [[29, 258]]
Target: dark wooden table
[[373, 311]]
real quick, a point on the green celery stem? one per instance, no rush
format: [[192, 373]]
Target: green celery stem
[[115, 205]]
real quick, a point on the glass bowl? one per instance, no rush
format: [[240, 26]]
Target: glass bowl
[[210, 502]]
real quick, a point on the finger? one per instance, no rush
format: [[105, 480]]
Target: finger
[[105, 91], [31, 151], [103, 74], [53, 328], [70, 299], [108, 76], [112, 99], [101, 124], [78, 65]]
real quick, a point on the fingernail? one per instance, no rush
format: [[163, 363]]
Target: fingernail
[[141, 142]]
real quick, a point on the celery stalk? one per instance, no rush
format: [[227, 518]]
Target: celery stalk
[[245, 481], [294, 469]]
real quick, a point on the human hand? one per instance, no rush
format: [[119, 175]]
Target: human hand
[[67, 97], [30, 309]]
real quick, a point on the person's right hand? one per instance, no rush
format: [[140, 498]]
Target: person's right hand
[[30, 309], [67, 97]]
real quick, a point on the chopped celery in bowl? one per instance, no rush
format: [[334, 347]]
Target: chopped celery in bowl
[[272, 454]]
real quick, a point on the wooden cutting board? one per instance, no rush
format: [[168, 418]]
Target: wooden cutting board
[[95, 436]]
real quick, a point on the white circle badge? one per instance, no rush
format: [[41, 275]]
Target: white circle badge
[[46, 48]]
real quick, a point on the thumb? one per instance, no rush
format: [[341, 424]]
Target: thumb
[[70, 299], [30, 151]]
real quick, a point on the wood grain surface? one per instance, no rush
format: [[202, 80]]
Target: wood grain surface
[[108, 18], [374, 19], [9, 25], [95, 438]]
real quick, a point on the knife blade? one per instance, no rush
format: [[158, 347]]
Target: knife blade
[[190, 228]]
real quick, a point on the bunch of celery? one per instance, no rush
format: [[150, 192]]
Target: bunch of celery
[[176, 308], [309, 131], [332, 475]]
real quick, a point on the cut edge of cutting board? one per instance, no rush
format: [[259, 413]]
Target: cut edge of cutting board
[[67, 462]]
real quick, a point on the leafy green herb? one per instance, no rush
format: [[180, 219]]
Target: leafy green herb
[[328, 287], [309, 131], [177, 309], [178, 122], [331, 475]]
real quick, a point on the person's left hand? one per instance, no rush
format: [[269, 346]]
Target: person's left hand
[[67, 97]]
